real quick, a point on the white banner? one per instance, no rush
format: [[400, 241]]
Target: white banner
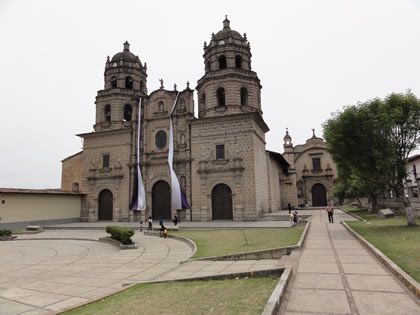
[[176, 202], [141, 194]]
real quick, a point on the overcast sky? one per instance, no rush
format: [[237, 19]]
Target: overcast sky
[[312, 57]]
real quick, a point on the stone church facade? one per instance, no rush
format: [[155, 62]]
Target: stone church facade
[[220, 156]]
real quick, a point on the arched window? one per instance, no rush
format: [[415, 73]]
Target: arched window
[[203, 98], [238, 62], [182, 138], [128, 110], [208, 66], [107, 112], [221, 101], [244, 96], [129, 83], [160, 139], [161, 106], [222, 62], [113, 82], [141, 86]]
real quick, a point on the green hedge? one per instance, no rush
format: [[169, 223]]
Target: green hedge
[[5, 233], [120, 234]]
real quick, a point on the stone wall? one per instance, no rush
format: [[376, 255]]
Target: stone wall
[[116, 178], [71, 172], [236, 133]]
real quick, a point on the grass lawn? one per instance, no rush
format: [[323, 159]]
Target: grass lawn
[[394, 238], [361, 212], [232, 241], [243, 296]]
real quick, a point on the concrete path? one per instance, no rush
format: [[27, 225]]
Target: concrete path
[[336, 275]]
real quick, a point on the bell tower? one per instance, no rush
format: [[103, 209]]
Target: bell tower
[[125, 80], [228, 86]]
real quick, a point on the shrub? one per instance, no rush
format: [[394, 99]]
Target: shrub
[[5, 233], [120, 234]]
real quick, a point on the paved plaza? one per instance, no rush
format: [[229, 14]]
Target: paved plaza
[[332, 274]]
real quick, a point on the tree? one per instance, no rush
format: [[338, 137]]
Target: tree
[[350, 186], [371, 142]]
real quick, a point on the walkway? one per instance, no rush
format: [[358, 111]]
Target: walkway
[[336, 275]]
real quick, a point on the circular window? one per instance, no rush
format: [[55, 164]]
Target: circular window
[[160, 139]]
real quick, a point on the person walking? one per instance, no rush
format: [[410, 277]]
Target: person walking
[[141, 226], [289, 207], [150, 228], [330, 212], [175, 221], [162, 230]]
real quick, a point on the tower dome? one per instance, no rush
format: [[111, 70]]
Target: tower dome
[[226, 32], [126, 55]]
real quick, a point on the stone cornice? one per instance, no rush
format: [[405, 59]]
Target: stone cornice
[[252, 115], [105, 133]]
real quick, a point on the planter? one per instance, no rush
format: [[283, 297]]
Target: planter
[[7, 238], [117, 243]]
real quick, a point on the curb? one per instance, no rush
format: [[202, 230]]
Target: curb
[[246, 274], [273, 304], [184, 239], [406, 279], [353, 215], [270, 253], [56, 239]]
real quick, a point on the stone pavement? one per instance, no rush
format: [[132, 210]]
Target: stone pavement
[[333, 274], [336, 275], [40, 276], [43, 276], [101, 225]]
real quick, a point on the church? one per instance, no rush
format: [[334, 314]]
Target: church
[[219, 153]]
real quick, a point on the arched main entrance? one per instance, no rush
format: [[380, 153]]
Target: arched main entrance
[[221, 202], [105, 205], [319, 195], [161, 201]]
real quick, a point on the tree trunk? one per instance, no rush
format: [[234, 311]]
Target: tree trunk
[[373, 203], [360, 203], [409, 213]]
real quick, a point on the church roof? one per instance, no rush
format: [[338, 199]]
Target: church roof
[[281, 160], [38, 191]]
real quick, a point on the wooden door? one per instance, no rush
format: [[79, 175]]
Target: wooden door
[[221, 202], [319, 195], [161, 201], [105, 205]]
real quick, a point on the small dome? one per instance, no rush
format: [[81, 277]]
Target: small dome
[[125, 55], [226, 32]]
